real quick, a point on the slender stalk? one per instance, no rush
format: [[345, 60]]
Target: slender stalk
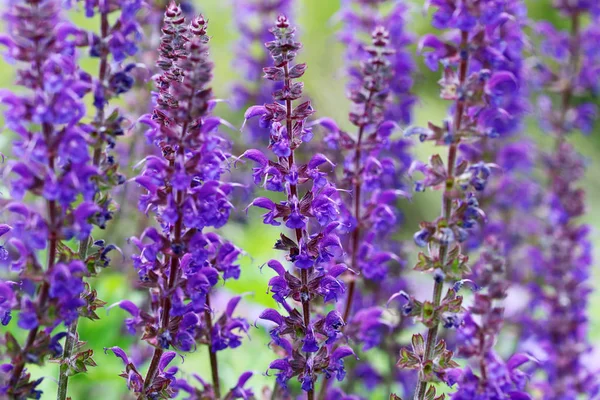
[[214, 366], [72, 338], [356, 233], [293, 193], [446, 208]]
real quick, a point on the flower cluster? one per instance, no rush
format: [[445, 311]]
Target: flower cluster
[[556, 330], [509, 255], [54, 171], [479, 331], [306, 339], [179, 262], [510, 219], [480, 79], [112, 46], [373, 170]]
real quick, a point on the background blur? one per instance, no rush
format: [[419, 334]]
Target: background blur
[[324, 83]]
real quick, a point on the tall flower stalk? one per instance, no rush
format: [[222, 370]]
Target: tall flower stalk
[[114, 43], [510, 200], [478, 86], [54, 167], [556, 328], [306, 338], [180, 263], [373, 171]]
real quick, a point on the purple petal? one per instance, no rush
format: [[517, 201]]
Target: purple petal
[[119, 353], [341, 352], [277, 267], [130, 307], [244, 378], [386, 128], [401, 294], [232, 304], [256, 156], [327, 123], [4, 229], [166, 359], [319, 159], [254, 111], [271, 315], [431, 41], [210, 123], [516, 360], [262, 202]]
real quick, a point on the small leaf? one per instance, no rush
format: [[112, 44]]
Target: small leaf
[[418, 344]]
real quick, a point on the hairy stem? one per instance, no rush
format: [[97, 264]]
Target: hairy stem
[[446, 207], [214, 365]]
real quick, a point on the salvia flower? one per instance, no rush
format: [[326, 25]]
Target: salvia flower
[[374, 166], [310, 211], [53, 167], [114, 43], [253, 20], [359, 18], [180, 262], [479, 80], [558, 335], [489, 377]]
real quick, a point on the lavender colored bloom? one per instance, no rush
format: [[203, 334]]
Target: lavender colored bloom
[[558, 335], [306, 338], [482, 80], [181, 262], [51, 163], [374, 168], [7, 302]]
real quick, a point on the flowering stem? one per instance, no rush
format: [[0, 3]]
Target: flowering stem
[[446, 207], [176, 233], [357, 190], [214, 365], [293, 193], [52, 234], [71, 340], [357, 183]]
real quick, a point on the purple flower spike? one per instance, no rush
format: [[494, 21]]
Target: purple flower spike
[[474, 59], [183, 262], [310, 197], [375, 164]]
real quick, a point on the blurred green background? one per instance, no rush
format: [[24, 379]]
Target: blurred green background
[[324, 83]]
